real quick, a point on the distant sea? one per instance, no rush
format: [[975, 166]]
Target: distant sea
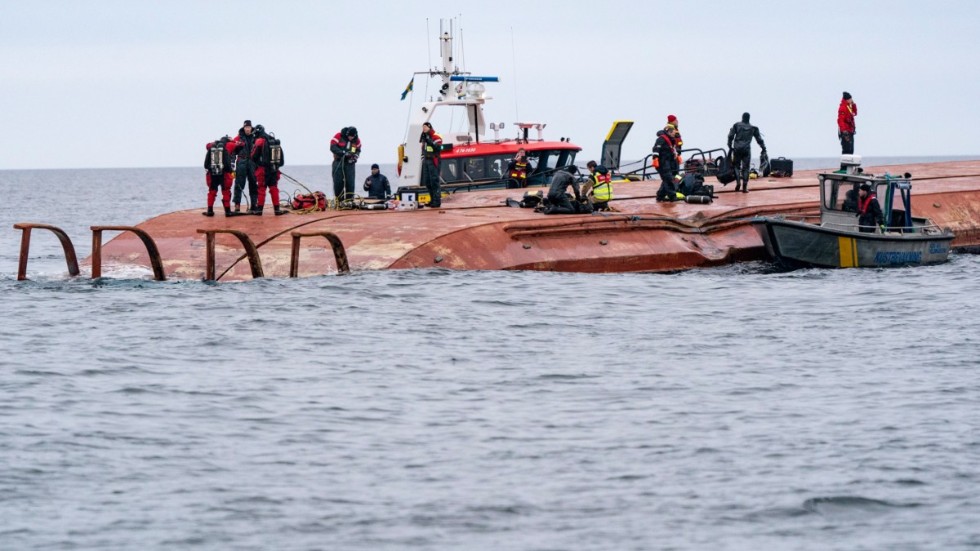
[[728, 408]]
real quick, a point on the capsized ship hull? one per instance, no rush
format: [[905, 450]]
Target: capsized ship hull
[[477, 231]]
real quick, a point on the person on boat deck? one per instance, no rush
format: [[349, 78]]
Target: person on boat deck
[[678, 142], [664, 161], [268, 156], [869, 212], [244, 167], [431, 153], [845, 124], [346, 147], [557, 192], [740, 144], [518, 169], [377, 184], [598, 189], [222, 174], [850, 203]]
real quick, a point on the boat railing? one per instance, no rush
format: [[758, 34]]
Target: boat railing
[[25, 247], [151, 250], [255, 263], [339, 252]]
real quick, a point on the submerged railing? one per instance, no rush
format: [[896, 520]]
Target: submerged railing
[[339, 252]]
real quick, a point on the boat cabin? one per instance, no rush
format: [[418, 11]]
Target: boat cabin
[[839, 195], [488, 164]]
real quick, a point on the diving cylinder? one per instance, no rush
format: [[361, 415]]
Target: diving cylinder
[[697, 199], [217, 159]]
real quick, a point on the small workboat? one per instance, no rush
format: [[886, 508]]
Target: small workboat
[[838, 241]]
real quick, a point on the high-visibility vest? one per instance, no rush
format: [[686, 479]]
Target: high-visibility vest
[[602, 187], [520, 170]]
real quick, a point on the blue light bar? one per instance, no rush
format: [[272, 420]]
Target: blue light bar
[[468, 78]]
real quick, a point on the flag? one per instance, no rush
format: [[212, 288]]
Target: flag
[[408, 88]]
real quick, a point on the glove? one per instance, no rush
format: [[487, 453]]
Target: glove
[[882, 227]]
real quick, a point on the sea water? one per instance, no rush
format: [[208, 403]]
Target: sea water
[[729, 408]]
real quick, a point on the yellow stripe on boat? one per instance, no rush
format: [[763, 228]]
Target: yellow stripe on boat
[[848, 252]]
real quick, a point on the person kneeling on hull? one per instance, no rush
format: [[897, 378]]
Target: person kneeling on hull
[[558, 198]]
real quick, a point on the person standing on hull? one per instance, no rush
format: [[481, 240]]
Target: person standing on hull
[[740, 144], [431, 153], [517, 170], [268, 156], [346, 147], [845, 124], [678, 142], [664, 160], [244, 167], [217, 163], [870, 216], [376, 185]]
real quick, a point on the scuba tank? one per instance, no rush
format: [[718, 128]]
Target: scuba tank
[[697, 199], [274, 150], [216, 158]]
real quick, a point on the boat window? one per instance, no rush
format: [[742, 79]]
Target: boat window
[[449, 170], [497, 166], [475, 167]]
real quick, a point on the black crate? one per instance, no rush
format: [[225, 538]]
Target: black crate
[[781, 167]]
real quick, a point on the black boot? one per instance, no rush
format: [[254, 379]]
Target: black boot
[[738, 185], [257, 211], [238, 207], [210, 212], [229, 212], [279, 211], [745, 188]]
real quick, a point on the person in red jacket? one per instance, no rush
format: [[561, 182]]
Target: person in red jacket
[[845, 123], [268, 157], [217, 163]]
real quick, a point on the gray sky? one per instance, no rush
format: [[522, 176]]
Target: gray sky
[[130, 83]]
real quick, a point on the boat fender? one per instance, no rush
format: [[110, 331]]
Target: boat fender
[[697, 199]]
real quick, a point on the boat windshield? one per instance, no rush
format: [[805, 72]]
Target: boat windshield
[[494, 167]]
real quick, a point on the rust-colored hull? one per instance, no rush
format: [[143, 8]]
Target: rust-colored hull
[[476, 231]]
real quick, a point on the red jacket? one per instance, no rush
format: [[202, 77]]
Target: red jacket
[[845, 116]]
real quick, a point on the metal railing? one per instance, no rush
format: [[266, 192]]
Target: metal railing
[[25, 247], [339, 252], [151, 250], [250, 250]]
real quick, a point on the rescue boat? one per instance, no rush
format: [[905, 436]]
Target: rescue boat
[[470, 159]]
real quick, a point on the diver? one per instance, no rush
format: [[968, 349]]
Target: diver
[[740, 144], [598, 189], [268, 156], [558, 198], [346, 147], [217, 163], [431, 153]]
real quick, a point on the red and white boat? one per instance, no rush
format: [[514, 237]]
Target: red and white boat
[[470, 158]]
